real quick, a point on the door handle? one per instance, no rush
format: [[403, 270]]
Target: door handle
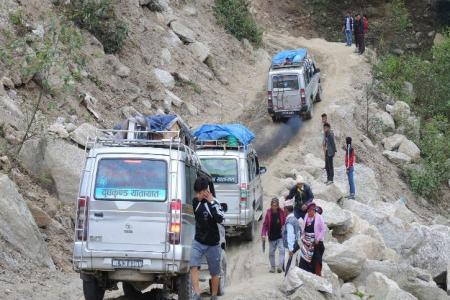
[[98, 215]]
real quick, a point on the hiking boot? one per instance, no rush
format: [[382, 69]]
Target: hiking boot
[[272, 270], [279, 270]]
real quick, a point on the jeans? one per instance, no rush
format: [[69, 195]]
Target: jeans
[[351, 181], [273, 246], [329, 167], [348, 36]]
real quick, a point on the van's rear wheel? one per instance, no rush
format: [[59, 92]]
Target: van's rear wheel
[[92, 290], [184, 287], [319, 94], [275, 119], [249, 232], [309, 114], [130, 291]]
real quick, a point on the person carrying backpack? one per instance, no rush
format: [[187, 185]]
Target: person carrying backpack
[[302, 194], [348, 28], [349, 161], [272, 228], [208, 214]]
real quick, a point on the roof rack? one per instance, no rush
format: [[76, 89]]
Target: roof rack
[[221, 145], [293, 65]]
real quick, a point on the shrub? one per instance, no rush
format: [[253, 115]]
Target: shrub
[[235, 16], [99, 18], [400, 19], [18, 20]]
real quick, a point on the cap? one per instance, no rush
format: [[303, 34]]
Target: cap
[[299, 179], [311, 205]]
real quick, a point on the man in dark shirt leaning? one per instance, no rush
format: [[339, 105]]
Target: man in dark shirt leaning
[[208, 214]]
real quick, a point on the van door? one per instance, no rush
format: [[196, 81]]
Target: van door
[[252, 181], [258, 186], [225, 175], [128, 207], [286, 92]]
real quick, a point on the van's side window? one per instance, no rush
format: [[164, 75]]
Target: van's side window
[[257, 165], [251, 168], [191, 176], [307, 79]]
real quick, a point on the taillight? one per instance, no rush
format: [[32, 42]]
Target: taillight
[[269, 99], [175, 222], [303, 96], [82, 218], [244, 195]]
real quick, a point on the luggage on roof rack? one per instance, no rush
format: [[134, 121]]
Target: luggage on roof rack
[[289, 58], [223, 135]]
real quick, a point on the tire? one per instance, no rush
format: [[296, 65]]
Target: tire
[[92, 290], [156, 294], [249, 233], [309, 114], [184, 287], [319, 94], [275, 119], [129, 291]]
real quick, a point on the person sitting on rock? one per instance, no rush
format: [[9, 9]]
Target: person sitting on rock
[[302, 194], [312, 247], [272, 226]]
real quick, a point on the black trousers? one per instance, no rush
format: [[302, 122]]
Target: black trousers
[[361, 43], [329, 167]]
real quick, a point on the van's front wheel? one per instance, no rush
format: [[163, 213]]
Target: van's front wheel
[[249, 232], [92, 290], [184, 287]]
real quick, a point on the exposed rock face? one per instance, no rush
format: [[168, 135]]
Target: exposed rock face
[[383, 288], [19, 230], [393, 142]]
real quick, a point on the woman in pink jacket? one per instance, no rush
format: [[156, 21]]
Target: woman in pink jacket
[[312, 248], [272, 228]]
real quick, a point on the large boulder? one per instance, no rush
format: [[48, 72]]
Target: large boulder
[[19, 230], [383, 288], [409, 148], [372, 248], [335, 218], [397, 158], [10, 112], [413, 280], [82, 133], [367, 188], [165, 78], [344, 261], [183, 32], [313, 165], [393, 142], [400, 111], [330, 192], [382, 122], [199, 50]]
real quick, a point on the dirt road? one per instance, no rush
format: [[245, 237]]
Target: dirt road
[[343, 73]]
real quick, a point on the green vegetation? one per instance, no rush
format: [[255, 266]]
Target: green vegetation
[[431, 103], [399, 16], [18, 20], [235, 16], [98, 17]]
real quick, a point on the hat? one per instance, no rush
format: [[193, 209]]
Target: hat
[[288, 203], [319, 210], [299, 179], [311, 204]]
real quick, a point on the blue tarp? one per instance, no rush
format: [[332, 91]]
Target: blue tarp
[[218, 131], [296, 56], [160, 122]]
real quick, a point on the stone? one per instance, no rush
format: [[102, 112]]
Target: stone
[[10, 112], [397, 158], [438, 39], [165, 78], [344, 261], [13, 136], [408, 89], [199, 50], [247, 45], [19, 229], [181, 77], [59, 130], [313, 165], [409, 148], [320, 284], [90, 102], [130, 112], [166, 57], [51, 206], [70, 127], [5, 163], [384, 120], [400, 111], [389, 108], [348, 288], [41, 217], [82, 133], [173, 99], [431, 33], [7, 82], [411, 46], [336, 218], [172, 39], [366, 183], [183, 32], [122, 71], [190, 11], [393, 142], [397, 51], [371, 247], [383, 288]]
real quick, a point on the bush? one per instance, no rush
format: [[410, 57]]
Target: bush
[[99, 18], [235, 16], [400, 19]]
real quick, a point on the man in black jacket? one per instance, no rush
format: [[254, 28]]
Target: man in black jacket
[[208, 214], [330, 150], [302, 195], [359, 34]]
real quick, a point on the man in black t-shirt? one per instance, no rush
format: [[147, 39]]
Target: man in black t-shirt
[[208, 214]]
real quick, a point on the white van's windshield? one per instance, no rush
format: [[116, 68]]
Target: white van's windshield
[[222, 170], [289, 82], [131, 179]]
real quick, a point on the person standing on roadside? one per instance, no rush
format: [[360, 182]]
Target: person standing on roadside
[[302, 195], [348, 28], [272, 228], [291, 229], [208, 214], [330, 151], [359, 32], [366, 26], [349, 161], [324, 120]]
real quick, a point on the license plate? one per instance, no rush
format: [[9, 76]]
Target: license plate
[[288, 113], [127, 263]]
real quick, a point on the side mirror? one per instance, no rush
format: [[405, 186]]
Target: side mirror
[[224, 207], [316, 70], [262, 170]]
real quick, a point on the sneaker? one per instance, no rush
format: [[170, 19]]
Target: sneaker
[[351, 196], [279, 270], [329, 182], [272, 270]]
